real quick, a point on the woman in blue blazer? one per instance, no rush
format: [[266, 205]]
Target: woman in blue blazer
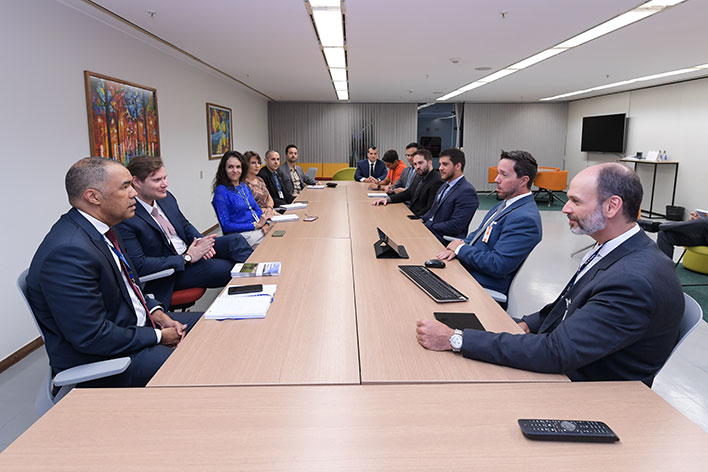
[[233, 201]]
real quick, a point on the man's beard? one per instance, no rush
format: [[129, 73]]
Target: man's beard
[[590, 225]]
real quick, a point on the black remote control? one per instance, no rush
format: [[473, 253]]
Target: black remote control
[[567, 430]]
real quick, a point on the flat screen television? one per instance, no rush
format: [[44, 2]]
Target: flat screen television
[[603, 133]]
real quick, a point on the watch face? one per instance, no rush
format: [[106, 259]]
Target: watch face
[[456, 341]]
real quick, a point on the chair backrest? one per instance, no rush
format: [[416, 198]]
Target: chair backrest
[[344, 174], [552, 180], [22, 285], [312, 172], [492, 175], [692, 316]]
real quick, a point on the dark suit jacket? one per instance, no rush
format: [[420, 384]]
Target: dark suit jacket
[[421, 193], [622, 322], [515, 232], [150, 250], [363, 167], [452, 215], [267, 177], [78, 296], [304, 179]]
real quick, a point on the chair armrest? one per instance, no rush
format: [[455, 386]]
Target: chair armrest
[[157, 275], [497, 296], [93, 371]]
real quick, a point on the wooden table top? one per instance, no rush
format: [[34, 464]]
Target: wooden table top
[[364, 427], [340, 316]]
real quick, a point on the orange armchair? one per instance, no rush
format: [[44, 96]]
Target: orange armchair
[[549, 182]]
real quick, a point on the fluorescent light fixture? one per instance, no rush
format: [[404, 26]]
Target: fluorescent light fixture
[[325, 3], [536, 58], [497, 75], [340, 86], [606, 27], [472, 86], [335, 57], [425, 105], [687, 70], [338, 75], [642, 11], [342, 95], [329, 27]]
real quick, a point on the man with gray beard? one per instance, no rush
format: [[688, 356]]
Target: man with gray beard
[[617, 318]]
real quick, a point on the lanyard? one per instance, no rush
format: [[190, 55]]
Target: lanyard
[[242, 194]]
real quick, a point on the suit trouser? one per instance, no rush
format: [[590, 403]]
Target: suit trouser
[[215, 272], [145, 362], [682, 233]]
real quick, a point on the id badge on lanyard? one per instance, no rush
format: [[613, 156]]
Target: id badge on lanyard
[[488, 232]]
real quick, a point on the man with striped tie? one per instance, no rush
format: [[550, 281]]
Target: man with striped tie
[[617, 318], [82, 286]]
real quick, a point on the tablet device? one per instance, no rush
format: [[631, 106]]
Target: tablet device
[[460, 320]]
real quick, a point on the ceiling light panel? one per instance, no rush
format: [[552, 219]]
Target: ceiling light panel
[[338, 75], [335, 58], [325, 3], [329, 27]]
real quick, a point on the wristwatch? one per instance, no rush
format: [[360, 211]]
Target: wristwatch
[[456, 341], [187, 258]]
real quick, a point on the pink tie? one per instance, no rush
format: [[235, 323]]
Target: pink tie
[[164, 222]]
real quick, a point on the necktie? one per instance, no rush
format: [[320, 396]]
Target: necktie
[[438, 200], [111, 235], [164, 222], [277, 184], [371, 170], [489, 222]]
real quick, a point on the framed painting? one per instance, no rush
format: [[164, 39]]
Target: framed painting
[[122, 118], [219, 131]]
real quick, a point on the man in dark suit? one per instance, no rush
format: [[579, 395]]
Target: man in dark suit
[[159, 237], [294, 178], [370, 170], [422, 191], [274, 179], [509, 232], [617, 319], [455, 202], [684, 233], [82, 288]]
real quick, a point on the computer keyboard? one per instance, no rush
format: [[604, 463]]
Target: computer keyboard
[[430, 283]]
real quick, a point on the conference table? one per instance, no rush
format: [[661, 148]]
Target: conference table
[[356, 427], [340, 316]]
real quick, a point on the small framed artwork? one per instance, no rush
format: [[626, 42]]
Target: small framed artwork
[[219, 131], [122, 118]]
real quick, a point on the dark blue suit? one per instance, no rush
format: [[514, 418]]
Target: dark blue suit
[[514, 234], [150, 250], [451, 214], [621, 324], [363, 169], [83, 307]]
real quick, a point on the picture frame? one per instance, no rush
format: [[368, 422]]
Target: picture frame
[[122, 116], [219, 130]]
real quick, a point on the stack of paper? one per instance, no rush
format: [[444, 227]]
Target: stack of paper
[[377, 194], [252, 269], [281, 218], [294, 206], [236, 307], [315, 186]]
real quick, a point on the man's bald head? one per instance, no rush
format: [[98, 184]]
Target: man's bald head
[[89, 172]]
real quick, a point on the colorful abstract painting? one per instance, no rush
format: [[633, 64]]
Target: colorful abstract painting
[[218, 130], [122, 118]]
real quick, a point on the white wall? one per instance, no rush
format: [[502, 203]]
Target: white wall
[[45, 47], [672, 118]]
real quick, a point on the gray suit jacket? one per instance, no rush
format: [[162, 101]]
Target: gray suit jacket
[[288, 181]]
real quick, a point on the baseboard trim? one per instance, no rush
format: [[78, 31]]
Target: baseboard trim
[[211, 229], [20, 354]]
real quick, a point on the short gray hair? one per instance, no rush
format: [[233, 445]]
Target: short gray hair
[[89, 172]]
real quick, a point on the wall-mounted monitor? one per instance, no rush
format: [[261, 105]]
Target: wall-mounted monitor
[[603, 133]]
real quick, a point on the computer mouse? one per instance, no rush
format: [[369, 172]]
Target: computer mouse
[[435, 263]]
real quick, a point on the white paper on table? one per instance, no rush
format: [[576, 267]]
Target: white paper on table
[[248, 305]]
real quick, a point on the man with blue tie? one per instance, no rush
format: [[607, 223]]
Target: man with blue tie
[[274, 179], [83, 290], [456, 201], [617, 318], [370, 170], [159, 237], [509, 232]]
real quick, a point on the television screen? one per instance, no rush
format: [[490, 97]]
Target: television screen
[[604, 133]]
